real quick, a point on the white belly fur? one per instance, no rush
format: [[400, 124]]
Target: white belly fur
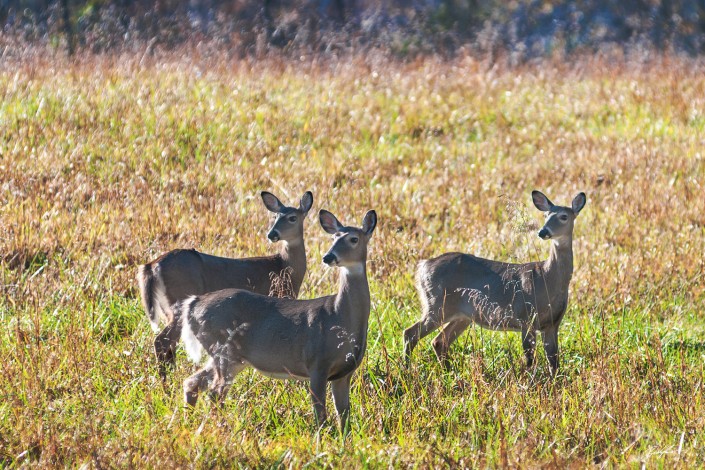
[[281, 375]]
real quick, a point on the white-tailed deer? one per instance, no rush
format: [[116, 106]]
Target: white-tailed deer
[[320, 340], [179, 274], [458, 289]]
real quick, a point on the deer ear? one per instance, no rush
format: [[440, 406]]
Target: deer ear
[[541, 202], [271, 202], [369, 223], [328, 221], [579, 203], [306, 202]]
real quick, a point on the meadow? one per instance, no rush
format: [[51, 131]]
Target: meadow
[[108, 161]]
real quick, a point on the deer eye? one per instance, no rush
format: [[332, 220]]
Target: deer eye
[[292, 219], [354, 240], [563, 217]]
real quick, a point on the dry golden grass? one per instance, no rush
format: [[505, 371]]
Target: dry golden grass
[[108, 162]]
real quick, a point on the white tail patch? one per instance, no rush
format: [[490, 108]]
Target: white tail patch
[[422, 277], [161, 303], [193, 347], [154, 292], [155, 327], [145, 279]]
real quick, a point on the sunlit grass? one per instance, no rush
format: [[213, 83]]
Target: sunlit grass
[[106, 164]]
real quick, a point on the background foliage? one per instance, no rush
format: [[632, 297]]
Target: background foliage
[[403, 28]]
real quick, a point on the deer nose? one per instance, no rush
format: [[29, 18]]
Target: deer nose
[[330, 259], [544, 233], [273, 235]]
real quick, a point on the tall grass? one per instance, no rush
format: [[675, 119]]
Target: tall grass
[[107, 162]]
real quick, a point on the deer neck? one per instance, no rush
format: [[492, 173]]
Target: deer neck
[[293, 255], [558, 268], [352, 303]]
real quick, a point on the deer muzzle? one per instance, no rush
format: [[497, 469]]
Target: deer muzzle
[[544, 233], [330, 259], [273, 235]]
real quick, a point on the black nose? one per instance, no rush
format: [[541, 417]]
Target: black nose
[[544, 234], [329, 259], [273, 236]]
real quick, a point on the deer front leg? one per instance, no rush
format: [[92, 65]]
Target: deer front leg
[[317, 387], [197, 382], [528, 342], [225, 372], [341, 398], [550, 346]]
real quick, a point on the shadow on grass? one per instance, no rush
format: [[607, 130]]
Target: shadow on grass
[[25, 260], [687, 346], [462, 374]]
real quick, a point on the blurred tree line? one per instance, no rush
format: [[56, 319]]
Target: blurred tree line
[[527, 28]]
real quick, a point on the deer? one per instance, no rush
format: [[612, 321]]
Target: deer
[[317, 340], [457, 290], [181, 273]]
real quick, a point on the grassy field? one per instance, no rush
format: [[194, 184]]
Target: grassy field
[[106, 163]]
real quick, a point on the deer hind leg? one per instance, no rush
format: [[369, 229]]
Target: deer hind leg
[[528, 342], [448, 334], [165, 346], [198, 382], [431, 318]]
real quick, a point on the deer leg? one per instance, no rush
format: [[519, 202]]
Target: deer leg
[[317, 387], [416, 332], [165, 347], [341, 398], [550, 346], [197, 382], [449, 333], [528, 342], [226, 370]]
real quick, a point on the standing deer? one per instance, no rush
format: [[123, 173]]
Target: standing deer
[[179, 274], [458, 289], [320, 340]]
